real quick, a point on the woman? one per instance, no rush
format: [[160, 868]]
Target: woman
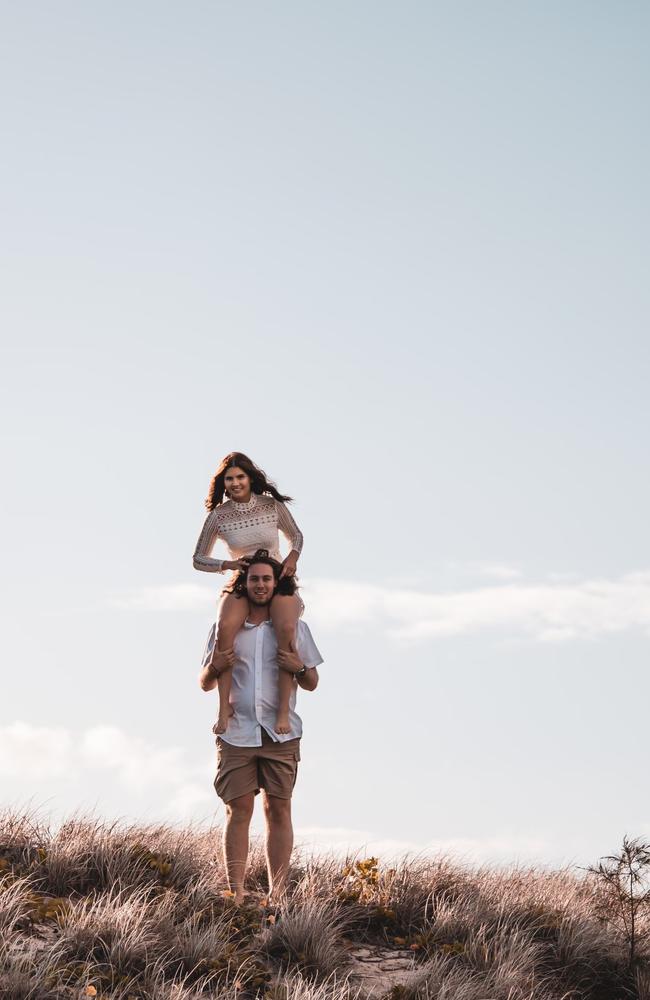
[[248, 520]]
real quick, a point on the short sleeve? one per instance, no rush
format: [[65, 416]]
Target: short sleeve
[[307, 649]]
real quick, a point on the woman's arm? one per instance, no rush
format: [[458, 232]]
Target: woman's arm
[[293, 534], [202, 559], [289, 528]]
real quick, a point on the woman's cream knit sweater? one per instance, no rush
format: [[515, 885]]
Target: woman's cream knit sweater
[[245, 528]]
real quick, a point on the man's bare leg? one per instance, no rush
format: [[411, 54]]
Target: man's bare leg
[[279, 843], [235, 842]]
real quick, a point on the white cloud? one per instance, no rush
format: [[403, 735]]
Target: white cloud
[[556, 610], [105, 757], [169, 597], [37, 752], [192, 799], [137, 763], [504, 849], [491, 570], [34, 751], [498, 571]]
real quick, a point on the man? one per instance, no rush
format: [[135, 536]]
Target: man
[[251, 755]]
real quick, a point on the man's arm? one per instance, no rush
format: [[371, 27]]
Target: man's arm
[[210, 674], [290, 661], [309, 680]]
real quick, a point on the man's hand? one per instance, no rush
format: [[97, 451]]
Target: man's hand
[[221, 660], [289, 660], [289, 565]]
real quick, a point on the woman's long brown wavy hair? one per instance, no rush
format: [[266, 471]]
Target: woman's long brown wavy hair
[[259, 481]]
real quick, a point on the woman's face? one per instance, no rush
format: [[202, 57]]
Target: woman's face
[[238, 484]]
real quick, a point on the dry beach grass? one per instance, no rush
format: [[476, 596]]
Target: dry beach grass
[[140, 913]]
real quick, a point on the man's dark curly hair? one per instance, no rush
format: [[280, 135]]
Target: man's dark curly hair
[[287, 586]]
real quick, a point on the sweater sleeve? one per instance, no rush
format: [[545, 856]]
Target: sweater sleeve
[[202, 559], [288, 527]]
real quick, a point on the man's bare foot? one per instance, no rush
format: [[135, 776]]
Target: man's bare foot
[[282, 723], [272, 910], [237, 898]]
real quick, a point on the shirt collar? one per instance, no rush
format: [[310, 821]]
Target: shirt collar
[[248, 505]]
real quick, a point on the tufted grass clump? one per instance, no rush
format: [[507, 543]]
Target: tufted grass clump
[[134, 912]]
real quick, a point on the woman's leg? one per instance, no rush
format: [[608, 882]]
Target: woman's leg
[[232, 615], [285, 612]]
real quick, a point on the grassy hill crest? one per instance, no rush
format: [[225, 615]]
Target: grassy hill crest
[[142, 913]]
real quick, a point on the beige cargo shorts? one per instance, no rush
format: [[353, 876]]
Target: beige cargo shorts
[[273, 767]]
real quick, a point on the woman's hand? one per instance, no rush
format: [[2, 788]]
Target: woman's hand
[[238, 564], [289, 565]]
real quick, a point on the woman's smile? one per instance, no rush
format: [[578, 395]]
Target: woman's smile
[[238, 484]]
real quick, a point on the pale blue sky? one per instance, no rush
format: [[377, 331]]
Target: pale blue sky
[[395, 252]]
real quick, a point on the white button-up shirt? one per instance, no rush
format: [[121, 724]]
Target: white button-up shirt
[[254, 694]]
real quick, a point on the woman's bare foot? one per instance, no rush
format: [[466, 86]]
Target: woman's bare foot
[[221, 724], [282, 722]]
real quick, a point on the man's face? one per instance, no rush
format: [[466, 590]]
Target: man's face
[[260, 583]]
